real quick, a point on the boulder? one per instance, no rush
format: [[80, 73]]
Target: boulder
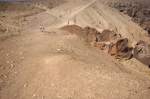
[[120, 49], [101, 45], [142, 52], [91, 34], [108, 35], [75, 29]]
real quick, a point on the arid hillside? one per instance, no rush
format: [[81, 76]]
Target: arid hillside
[[71, 49], [47, 3], [139, 10]]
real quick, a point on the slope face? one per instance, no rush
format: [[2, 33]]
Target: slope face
[[102, 17], [139, 10], [27, 4], [47, 3]]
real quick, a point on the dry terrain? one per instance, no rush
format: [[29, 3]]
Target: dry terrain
[[41, 60], [138, 10]]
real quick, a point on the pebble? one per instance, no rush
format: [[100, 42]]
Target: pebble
[[59, 50], [25, 85], [34, 95], [15, 72], [12, 65], [4, 76]]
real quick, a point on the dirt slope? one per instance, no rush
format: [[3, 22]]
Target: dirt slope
[[61, 65], [56, 64], [93, 14]]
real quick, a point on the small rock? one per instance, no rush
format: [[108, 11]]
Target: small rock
[[58, 49], [25, 85], [142, 52], [15, 72], [12, 65], [4, 76], [34, 95]]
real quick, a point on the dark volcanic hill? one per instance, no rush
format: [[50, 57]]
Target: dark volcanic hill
[[139, 10]]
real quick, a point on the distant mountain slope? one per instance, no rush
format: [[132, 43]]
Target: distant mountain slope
[[139, 10], [47, 3]]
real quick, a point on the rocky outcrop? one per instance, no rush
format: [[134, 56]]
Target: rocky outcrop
[[112, 43], [107, 40], [142, 52], [92, 34], [121, 49], [108, 35]]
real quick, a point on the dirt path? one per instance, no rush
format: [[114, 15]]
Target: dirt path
[[61, 65]]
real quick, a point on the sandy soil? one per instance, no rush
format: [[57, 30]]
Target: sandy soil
[[56, 64]]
